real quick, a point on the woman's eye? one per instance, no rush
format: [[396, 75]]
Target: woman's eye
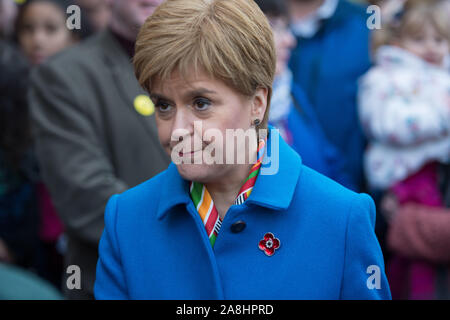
[[163, 106], [202, 104]]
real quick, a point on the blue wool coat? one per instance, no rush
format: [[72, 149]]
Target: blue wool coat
[[154, 245], [327, 66]]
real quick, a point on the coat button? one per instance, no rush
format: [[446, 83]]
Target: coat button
[[238, 226]]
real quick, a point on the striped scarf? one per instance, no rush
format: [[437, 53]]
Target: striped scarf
[[205, 204]]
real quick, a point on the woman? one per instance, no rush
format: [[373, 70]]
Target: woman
[[214, 230]]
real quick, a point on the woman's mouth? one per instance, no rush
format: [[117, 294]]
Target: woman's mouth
[[187, 154]]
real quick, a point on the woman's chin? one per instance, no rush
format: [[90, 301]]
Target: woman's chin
[[196, 172]]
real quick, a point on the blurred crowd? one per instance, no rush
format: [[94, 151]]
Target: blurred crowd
[[366, 104]]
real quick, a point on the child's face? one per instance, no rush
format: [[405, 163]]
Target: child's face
[[43, 31], [428, 45]]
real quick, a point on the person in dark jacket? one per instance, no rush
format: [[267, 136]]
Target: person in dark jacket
[[291, 111], [332, 52], [95, 132], [19, 216]]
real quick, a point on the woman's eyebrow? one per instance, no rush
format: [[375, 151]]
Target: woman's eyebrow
[[157, 96], [188, 94], [199, 92]]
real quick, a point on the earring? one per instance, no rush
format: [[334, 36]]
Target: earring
[[256, 122]]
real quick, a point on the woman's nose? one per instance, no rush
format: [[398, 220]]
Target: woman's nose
[[181, 118], [182, 126]]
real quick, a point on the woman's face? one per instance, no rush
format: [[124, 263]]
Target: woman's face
[[427, 44], [284, 42], [193, 116], [43, 31]]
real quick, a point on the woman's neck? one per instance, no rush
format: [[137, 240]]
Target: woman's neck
[[224, 192]]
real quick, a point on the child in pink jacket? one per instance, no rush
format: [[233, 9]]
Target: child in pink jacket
[[404, 108]]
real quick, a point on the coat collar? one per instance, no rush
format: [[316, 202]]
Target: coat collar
[[273, 191]]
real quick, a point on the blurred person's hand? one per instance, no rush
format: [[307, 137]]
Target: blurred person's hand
[[5, 254]]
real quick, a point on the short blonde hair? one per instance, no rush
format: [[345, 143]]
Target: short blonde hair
[[412, 20], [229, 39]]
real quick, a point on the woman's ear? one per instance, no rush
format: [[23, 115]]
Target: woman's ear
[[259, 104]]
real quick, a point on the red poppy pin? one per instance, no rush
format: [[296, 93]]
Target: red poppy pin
[[269, 244]]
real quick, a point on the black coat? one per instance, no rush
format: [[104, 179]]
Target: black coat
[[90, 140]]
